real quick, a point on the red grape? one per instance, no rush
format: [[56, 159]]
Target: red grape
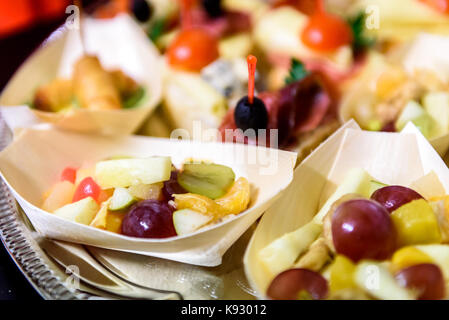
[[172, 186], [392, 197], [362, 229], [149, 219], [427, 279], [297, 284]]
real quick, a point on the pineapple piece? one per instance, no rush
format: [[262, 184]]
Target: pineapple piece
[[407, 257], [108, 220], [416, 223], [440, 206], [342, 274]]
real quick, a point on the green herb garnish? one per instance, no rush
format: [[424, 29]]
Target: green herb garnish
[[297, 71], [134, 99], [361, 41], [156, 30]]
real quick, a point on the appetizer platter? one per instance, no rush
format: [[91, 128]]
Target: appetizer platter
[[207, 149]]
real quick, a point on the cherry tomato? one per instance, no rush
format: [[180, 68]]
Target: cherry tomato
[[15, 15], [192, 50], [326, 32], [439, 5], [69, 174], [87, 188]]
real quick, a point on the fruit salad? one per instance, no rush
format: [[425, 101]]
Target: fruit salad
[[368, 241], [148, 197]]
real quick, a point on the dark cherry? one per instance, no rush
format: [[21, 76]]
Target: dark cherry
[[251, 116], [213, 8], [149, 219], [172, 187], [141, 10]]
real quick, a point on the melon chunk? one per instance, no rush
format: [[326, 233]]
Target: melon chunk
[[124, 173], [83, 211]]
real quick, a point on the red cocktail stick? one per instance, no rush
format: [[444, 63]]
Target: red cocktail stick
[[252, 61], [319, 7], [186, 16]]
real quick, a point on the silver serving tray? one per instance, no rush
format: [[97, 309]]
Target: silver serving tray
[[66, 271]]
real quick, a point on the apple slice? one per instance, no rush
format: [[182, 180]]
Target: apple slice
[[376, 280], [281, 254], [121, 199], [82, 211], [356, 181], [187, 221], [123, 173]]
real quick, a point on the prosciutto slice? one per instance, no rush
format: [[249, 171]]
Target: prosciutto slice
[[297, 108]]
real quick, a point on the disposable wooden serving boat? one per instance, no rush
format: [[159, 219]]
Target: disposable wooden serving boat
[[120, 44], [404, 158], [33, 162]]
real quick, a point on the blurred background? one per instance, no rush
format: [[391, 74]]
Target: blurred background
[[24, 24]]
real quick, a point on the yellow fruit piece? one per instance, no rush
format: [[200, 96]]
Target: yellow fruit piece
[[58, 196], [114, 221], [440, 206], [388, 81], [416, 223], [108, 220], [197, 203], [234, 201], [407, 257], [342, 274]]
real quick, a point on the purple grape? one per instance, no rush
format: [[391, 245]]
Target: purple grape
[[392, 197], [172, 187], [427, 279], [362, 229], [149, 219], [297, 284]]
